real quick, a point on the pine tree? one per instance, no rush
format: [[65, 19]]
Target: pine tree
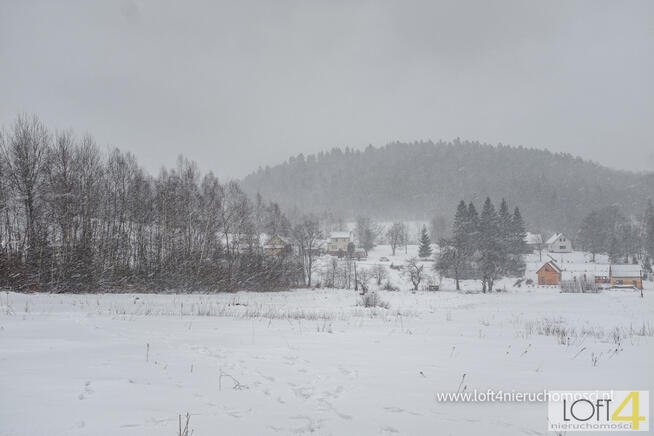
[[614, 250], [492, 251], [472, 230], [504, 222], [424, 250], [518, 233], [515, 264], [452, 255], [649, 229]]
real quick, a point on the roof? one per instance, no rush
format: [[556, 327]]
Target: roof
[[554, 266], [626, 270], [595, 269], [334, 235], [553, 238], [533, 238]]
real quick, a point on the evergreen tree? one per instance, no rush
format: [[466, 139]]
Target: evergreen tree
[[452, 256], [424, 250], [518, 233], [504, 221], [492, 251], [649, 229], [472, 230], [614, 250]]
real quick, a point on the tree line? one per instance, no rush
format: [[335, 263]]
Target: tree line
[[73, 218], [626, 239], [485, 246], [554, 190]]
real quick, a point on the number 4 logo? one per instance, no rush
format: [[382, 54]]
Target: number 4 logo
[[635, 418]]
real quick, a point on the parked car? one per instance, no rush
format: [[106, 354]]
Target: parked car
[[384, 259]]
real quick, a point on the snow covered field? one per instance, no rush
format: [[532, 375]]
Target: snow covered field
[[310, 361]]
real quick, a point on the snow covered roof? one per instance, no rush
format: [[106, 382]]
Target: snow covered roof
[[553, 238], [553, 265], [335, 235], [626, 270], [272, 242], [585, 269], [533, 238]]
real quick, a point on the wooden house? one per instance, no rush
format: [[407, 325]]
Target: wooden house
[[626, 276], [277, 246], [549, 274]]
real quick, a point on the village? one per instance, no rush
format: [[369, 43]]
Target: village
[[551, 262]]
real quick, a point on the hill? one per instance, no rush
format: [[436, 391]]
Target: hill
[[421, 180]]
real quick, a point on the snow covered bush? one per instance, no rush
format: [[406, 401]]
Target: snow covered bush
[[372, 299]]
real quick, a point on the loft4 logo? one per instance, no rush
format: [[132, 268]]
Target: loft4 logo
[[598, 411]]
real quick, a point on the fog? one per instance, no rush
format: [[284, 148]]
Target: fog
[[242, 84]]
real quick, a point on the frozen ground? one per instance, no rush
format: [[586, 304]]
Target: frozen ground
[[310, 361]]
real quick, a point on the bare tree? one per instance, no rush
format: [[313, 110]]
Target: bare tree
[[414, 271], [24, 155], [367, 233], [379, 273], [307, 235], [395, 235]]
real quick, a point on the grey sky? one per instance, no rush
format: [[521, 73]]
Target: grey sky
[[242, 84]]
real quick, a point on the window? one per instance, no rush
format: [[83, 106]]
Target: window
[[561, 247], [542, 280]]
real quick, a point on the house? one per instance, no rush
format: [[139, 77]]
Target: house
[[338, 243], [587, 272], [277, 246], [534, 241], [559, 243], [549, 274], [626, 275], [241, 242]]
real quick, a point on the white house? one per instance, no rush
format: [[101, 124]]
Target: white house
[[559, 243], [338, 242]]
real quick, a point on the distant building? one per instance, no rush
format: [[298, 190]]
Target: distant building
[[534, 241], [338, 243], [587, 272], [549, 274], [559, 243], [277, 246], [626, 275]]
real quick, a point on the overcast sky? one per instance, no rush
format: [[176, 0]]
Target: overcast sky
[[235, 85]]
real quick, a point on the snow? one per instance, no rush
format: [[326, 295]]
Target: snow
[[340, 235], [309, 361], [626, 270], [316, 361], [553, 238], [533, 238]]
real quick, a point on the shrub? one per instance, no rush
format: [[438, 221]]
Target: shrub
[[372, 299]]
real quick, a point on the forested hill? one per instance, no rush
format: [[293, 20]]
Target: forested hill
[[420, 180]]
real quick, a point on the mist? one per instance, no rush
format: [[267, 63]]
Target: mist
[[239, 85]]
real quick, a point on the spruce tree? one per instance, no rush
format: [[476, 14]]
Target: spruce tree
[[649, 229], [452, 254], [518, 233], [504, 222], [472, 230], [424, 250], [492, 252]]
